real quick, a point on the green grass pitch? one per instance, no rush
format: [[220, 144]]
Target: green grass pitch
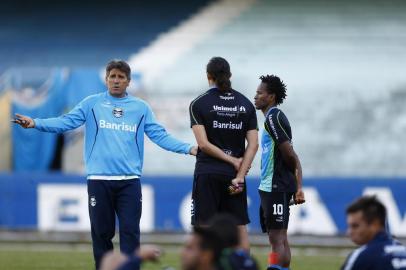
[[30, 259]]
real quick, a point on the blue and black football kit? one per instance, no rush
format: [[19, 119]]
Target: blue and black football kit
[[278, 182]]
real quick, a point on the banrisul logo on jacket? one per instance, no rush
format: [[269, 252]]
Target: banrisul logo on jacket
[[117, 126], [118, 112]]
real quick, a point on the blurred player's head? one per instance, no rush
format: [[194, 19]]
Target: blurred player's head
[[118, 76], [270, 92], [232, 258], [365, 218], [226, 227], [201, 250], [218, 72]]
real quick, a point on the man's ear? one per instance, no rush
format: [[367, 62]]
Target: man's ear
[[209, 77], [376, 225], [272, 98]]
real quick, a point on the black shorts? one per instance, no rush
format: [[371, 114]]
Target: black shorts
[[211, 196], [274, 210]]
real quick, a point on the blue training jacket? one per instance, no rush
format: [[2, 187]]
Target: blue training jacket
[[381, 253], [114, 133]]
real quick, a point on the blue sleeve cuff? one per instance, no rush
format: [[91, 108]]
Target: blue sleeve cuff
[[37, 123], [189, 148]]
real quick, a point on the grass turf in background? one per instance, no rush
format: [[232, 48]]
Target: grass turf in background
[[28, 259]]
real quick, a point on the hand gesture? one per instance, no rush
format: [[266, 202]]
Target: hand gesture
[[24, 121]]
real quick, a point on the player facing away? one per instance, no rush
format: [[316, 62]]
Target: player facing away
[[115, 123], [223, 120], [281, 172]]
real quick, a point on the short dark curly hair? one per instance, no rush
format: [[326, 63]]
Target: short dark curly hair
[[120, 65], [274, 85]]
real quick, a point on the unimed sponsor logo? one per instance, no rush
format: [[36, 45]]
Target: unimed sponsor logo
[[225, 109], [229, 109], [228, 125], [122, 126]]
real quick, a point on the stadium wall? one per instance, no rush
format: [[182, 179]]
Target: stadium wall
[[57, 202]]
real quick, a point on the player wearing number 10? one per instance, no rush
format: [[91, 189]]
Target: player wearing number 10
[[281, 172]]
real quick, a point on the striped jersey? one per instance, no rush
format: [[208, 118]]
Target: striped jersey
[[275, 174]]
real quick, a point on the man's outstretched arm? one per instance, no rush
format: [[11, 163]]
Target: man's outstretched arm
[[157, 133], [71, 120]]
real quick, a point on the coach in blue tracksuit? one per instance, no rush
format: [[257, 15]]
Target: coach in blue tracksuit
[[114, 147], [366, 227]]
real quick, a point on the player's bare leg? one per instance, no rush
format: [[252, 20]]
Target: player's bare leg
[[287, 250], [244, 242], [280, 254]]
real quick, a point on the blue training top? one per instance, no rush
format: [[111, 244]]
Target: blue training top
[[381, 253], [114, 133]]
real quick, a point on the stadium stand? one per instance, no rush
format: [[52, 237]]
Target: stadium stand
[[326, 52], [68, 34], [38, 36], [341, 60]]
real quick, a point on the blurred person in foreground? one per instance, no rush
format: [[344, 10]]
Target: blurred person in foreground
[[281, 172], [232, 256], [223, 121], [201, 251], [366, 219], [115, 123], [215, 246], [119, 261]]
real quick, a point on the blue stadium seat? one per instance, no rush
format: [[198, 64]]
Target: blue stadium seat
[[85, 33]]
